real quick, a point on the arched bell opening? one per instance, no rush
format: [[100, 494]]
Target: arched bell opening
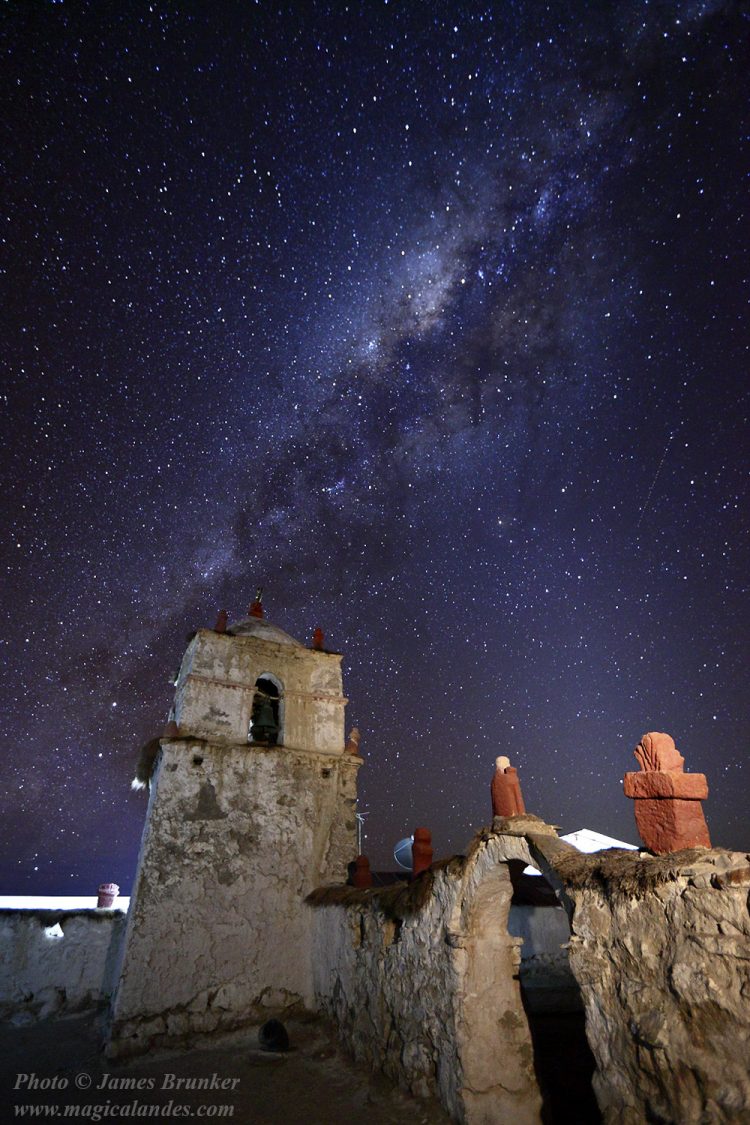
[[266, 718]]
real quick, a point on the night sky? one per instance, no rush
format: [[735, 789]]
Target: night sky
[[431, 318]]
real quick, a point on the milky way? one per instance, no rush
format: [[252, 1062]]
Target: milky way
[[429, 318]]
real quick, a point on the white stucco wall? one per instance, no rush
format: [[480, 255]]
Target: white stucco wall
[[57, 962], [236, 837], [216, 685]]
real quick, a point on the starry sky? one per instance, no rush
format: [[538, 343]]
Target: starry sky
[[431, 318]]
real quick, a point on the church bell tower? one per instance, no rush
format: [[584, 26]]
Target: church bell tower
[[252, 805]]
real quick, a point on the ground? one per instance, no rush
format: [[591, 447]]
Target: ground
[[314, 1083]]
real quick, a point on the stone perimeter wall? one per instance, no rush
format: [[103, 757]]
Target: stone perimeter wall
[[664, 971], [422, 983], [660, 948], [45, 973]]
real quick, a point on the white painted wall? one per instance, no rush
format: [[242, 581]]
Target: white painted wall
[[58, 902], [57, 962], [216, 686], [236, 837]]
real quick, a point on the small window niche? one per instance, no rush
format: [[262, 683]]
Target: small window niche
[[267, 714]]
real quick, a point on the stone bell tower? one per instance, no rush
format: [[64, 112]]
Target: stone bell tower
[[252, 806]]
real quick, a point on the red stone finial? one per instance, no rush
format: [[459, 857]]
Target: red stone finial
[[362, 876], [352, 746], [421, 851], [668, 811], [317, 639], [507, 799], [256, 607], [221, 621]]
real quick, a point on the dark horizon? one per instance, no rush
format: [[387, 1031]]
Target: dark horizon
[[432, 324]]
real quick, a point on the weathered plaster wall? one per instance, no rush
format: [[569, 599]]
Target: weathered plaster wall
[[46, 973], [217, 933], [664, 968], [423, 986], [660, 947], [216, 685]]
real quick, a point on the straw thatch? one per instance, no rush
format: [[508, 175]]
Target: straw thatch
[[144, 767], [623, 872], [402, 900]]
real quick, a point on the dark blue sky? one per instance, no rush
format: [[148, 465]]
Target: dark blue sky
[[431, 319]]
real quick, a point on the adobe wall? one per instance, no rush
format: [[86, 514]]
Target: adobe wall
[[235, 837], [660, 948], [44, 974], [422, 982], [216, 686], [661, 951]]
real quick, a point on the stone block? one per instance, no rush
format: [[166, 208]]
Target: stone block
[[685, 786], [668, 825]]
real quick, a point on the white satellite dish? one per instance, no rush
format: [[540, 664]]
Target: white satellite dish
[[402, 853]]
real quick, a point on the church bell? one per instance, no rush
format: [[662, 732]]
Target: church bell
[[265, 727]]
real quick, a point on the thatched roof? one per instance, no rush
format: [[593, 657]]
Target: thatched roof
[[616, 870], [625, 872], [402, 900], [144, 767]]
